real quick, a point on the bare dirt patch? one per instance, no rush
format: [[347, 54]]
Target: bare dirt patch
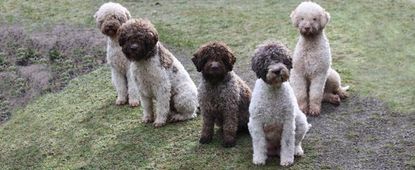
[[34, 63]]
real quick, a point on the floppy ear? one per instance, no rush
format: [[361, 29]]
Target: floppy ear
[[325, 18], [229, 60], [197, 61], [288, 62], [150, 40], [294, 19], [260, 65]]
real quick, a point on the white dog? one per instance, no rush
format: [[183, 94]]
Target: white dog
[[162, 78], [312, 56], [276, 124], [109, 17]]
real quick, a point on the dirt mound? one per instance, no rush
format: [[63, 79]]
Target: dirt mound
[[34, 63]]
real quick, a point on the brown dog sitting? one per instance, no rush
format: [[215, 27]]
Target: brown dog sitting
[[223, 97]]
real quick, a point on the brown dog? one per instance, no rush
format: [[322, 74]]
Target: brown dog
[[223, 97]]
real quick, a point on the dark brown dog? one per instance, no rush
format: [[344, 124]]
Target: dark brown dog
[[223, 97]]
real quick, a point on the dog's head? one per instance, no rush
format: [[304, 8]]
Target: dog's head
[[272, 63], [310, 18], [138, 39], [214, 60], [110, 16]]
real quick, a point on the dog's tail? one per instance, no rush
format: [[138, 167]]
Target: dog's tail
[[342, 92], [345, 88]]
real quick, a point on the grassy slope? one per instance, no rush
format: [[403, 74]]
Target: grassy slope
[[372, 43]]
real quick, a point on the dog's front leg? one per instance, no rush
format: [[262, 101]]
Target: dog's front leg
[[163, 97], [230, 127], [120, 82], [148, 115], [259, 143], [300, 87], [316, 94], [207, 129], [287, 142], [133, 96]]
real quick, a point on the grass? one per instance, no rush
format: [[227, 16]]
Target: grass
[[372, 45], [371, 41]]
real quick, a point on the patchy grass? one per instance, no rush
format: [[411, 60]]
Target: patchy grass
[[372, 48], [371, 41]]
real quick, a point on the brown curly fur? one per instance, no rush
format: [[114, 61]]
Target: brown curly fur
[[142, 46], [223, 97]]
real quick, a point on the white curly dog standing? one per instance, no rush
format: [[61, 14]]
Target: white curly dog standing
[[276, 124], [167, 92], [312, 60], [109, 17]]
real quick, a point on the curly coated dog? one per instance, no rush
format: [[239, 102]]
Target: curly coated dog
[[276, 124], [109, 17], [223, 96], [312, 58], [166, 90]]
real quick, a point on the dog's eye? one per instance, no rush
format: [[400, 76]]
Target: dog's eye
[[315, 19], [302, 18]]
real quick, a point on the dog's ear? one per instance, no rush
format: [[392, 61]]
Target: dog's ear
[[325, 18], [229, 60], [197, 61], [288, 62], [259, 65], [294, 19], [151, 40]]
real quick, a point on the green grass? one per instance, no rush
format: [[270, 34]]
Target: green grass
[[372, 45]]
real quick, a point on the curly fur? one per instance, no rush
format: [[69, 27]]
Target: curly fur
[[312, 56], [109, 18], [223, 96], [166, 90], [276, 124]]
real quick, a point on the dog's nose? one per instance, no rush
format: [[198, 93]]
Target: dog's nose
[[134, 46], [277, 71], [307, 28], [214, 66]]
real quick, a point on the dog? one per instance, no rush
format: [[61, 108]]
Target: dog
[[161, 77], [276, 124], [109, 17], [311, 58], [223, 96]]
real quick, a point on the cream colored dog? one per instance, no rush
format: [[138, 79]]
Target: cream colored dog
[[311, 58], [109, 17]]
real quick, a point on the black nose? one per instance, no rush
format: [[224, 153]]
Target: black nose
[[307, 28], [276, 71]]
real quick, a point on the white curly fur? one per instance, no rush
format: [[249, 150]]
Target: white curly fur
[[276, 105], [162, 86], [121, 75], [311, 58]]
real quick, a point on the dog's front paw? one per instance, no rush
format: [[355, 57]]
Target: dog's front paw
[[205, 139], [258, 161], [134, 102], [286, 162], [229, 143], [314, 111], [147, 119], [159, 123], [120, 101], [299, 151]]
